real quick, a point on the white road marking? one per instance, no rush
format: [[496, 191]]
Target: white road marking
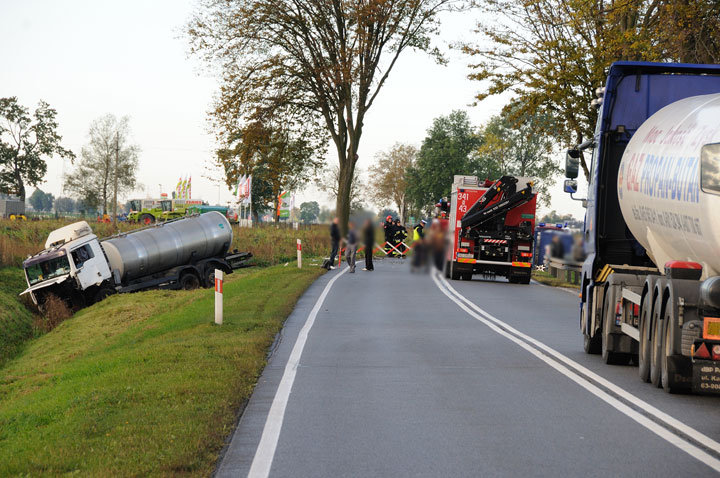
[[524, 341], [262, 461]]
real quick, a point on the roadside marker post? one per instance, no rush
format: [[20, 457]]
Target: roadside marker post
[[299, 252], [218, 296]]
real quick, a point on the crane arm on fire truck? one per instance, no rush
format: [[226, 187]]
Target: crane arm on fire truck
[[482, 211]]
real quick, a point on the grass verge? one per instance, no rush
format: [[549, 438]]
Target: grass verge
[[547, 279], [16, 320], [142, 384]]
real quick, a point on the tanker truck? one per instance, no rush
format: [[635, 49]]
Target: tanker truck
[[650, 287], [81, 269]]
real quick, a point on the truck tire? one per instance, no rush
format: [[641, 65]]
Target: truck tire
[[189, 281], [209, 275], [608, 356], [447, 269], [644, 342], [103, 294], [454, 274], [592, 344], [656, 344], [467, 276], [147, 219]]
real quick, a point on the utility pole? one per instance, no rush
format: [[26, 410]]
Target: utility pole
[[117, 155]]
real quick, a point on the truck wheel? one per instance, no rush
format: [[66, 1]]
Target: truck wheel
[[454, 274], [209, 275], [447, 269], [644, 345], [656, 346], [591, 344], [189, 281], [103, 294], [610, 357], [147, 219], [467, 276]]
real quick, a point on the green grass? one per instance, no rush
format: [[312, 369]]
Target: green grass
[[16, 321], [142, 384], [547, 279]]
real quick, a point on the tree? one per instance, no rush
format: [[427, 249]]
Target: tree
[[25, 142], [93, 178], [388, 181], [553, 54], [329, 184], [517, 147], [326, 215], [553, 217], [41, 201], [321, 57], [65, 205], [309, 211], [281, 155], [448, 149]]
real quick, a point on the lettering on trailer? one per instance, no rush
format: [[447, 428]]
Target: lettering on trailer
[[667, 219], [661, 177]]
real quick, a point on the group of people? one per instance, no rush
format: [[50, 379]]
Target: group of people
[[395, 241]]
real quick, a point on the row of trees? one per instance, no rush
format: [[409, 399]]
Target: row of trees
[[28, 139], [414, 180]]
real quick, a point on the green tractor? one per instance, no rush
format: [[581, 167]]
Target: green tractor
[[176, 208], [145, 211]]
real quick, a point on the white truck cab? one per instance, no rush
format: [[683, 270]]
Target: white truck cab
[[71, 253]]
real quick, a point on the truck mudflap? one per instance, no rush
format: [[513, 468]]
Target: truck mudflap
[[706, 377], [238, 260]]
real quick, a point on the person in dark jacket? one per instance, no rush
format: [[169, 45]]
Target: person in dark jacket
[[389, 227], [334, 241], [351, 247], [400, 236], [369, 243]]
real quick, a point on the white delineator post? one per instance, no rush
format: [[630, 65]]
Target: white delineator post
[[218, 296], [299, 250]]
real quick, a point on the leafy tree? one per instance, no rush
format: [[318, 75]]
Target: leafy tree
[[281, 156], [320, 57], [326, 215], [553, 54], [309, 211], [25, 141], [516, 146], [41, 201], [448, 149], [388, 181], [388, 212], [553, 217], [93, 178], [65, 204]]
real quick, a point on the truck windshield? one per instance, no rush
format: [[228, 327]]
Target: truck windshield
[[710, 168], [166, 205], [135, 205], [47, 269]]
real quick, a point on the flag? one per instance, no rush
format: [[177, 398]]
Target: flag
[[177, 187], [248, 195], [189, 188], [239, 187]]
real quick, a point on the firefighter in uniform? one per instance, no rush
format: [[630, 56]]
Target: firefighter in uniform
[[400, 236], [389, 235]]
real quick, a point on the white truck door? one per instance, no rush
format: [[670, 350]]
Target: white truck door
[[90, 265]]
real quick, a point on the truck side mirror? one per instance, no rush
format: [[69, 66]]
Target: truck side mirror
[[572, 163], [570, 186]]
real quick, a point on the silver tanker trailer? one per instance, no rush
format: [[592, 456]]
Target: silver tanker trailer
[[182, 254]]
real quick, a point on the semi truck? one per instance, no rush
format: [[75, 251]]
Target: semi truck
[[81, 269], [650, 286], [490, 230]]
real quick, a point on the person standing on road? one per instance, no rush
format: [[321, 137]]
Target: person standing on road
[[419, 232], [369, 243], [400, 236], [335, 242], [389, 235], [351, 248]]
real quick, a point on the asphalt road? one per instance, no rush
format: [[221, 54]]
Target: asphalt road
[[395, 374]]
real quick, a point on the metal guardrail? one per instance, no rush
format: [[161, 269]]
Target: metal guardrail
[[570, 269]]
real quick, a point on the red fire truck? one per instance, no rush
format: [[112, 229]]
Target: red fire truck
[[490, 231]]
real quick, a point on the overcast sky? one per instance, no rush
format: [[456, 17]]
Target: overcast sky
[[89, 58]]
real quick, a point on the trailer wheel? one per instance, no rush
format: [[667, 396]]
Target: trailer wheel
[[656, 345], [189, 281], [592, 344], [147, 219], [209, 275], [644, 343], [103, 294]]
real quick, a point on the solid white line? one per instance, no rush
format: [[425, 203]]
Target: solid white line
[[660, 415], [262, 461], [662, 432]]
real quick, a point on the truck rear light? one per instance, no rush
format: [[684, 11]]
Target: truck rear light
[[716, 352], [618, 313], [462, 249], [526, 254]]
